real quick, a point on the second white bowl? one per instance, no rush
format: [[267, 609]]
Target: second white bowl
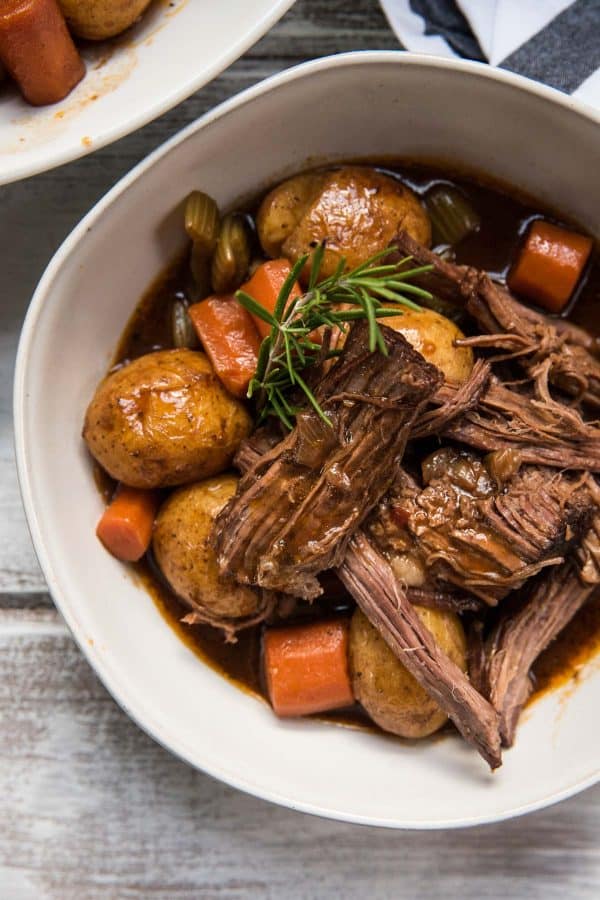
[[175, 48]]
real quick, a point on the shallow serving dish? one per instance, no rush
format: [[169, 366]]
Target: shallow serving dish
[[177, 47], [354, 105]]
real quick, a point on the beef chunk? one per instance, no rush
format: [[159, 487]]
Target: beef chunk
[[370, 580], [518, 639], [298, 505], [466, 531]]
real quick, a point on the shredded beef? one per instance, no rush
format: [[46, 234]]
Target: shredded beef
[[544, 433], [298, 505], [201, 615], [452, 401], [502, 661], [254, 447], [373, 585], [484, 540], [549, 350], [444, 598], [518, 639]]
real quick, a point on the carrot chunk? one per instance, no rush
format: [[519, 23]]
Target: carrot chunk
[[229, 338], [306, 667], [38, 51], [550, 264], [125, 528], [265, 287]]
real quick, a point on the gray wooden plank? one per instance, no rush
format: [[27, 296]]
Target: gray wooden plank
[[319, 27], [25, 601], [91, 807]]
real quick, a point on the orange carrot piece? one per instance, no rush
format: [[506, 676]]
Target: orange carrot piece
[[550, 265], [306, 667], [265, 287], [229, 338], [38, 51], [125, 528]]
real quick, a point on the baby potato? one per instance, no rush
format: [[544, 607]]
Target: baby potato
[[182, 549], [433, 336], [387, 691], [355, 210], [164, 419], [100, 19], [283, 207]]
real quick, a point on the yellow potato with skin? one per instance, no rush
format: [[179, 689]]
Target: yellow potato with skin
[[96, 20], [355, 210], [433, 335], [387, 691], [164, 419], [182, 549], [283, 207]]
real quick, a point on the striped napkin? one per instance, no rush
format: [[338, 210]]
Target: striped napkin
[[554, 41]]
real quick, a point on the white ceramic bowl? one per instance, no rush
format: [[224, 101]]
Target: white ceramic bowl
[[176, 48], [367, 104]]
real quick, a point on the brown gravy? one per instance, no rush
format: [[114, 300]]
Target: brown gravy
[[504, 217]]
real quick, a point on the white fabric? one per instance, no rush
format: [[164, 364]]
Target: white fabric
[[500, 26]]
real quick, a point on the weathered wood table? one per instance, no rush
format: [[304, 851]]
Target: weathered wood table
[[91, 807]]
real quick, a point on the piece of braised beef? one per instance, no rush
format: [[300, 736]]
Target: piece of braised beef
[[462, 529], [549, 350], [518, 638], [497, 418], [297, 507], [372, 583]]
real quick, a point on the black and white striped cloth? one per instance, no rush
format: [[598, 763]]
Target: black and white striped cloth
[[554, 41]]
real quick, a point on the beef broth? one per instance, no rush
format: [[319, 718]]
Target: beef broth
[[504, 218]]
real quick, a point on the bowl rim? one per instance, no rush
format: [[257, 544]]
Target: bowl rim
[[52, 159], [102, 668]]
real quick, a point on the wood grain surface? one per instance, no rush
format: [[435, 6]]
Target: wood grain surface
[[90, 807]]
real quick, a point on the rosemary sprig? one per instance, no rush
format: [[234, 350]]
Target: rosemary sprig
[[289, 349]]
